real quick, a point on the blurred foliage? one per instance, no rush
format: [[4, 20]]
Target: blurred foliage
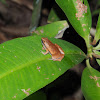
[[3, 1]]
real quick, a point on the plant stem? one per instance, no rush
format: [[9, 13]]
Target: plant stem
[[89, 46]]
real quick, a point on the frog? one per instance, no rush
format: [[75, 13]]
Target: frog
[[54, 50]]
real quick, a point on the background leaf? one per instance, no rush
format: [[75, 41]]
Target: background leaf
[[96, 50], [91, 83], [82, 24], [51, 30], [96, 12], [36, 14], [97, 53], [24, 69], [97, 34], [53, 17], [98, 60]]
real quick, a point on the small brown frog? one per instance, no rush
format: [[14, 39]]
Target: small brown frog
[[55, 50]]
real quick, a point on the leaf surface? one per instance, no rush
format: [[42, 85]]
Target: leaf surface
[[97, 34], [53, 17], [91, 83], [24, 69], [53, 29], [78, 14], [35, 14]]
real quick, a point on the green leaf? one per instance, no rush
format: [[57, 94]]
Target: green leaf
[[97, 35], [35, 14], [97, 47], [98, 55], [96, 12], [51, 30], [96, 51], [80, 18], [91, 83], [53, 17], [24, 69], [98, 60]]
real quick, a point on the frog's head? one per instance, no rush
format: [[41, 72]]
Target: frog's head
[[44, 40]]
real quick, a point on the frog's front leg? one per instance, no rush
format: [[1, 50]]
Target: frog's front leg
[[43, 47], [47, 51]]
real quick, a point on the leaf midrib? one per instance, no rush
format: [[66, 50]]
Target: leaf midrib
[[29, 63], [22, 66]]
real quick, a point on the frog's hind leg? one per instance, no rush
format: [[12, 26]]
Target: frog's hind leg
[[55, 58], [60, 49]]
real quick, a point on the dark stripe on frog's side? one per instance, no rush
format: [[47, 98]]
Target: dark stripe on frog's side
[[45, 46]]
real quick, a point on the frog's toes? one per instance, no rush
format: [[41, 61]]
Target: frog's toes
[[43, 48], [43, 52]]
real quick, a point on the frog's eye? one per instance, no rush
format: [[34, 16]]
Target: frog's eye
[[41, 40], [44, 41]]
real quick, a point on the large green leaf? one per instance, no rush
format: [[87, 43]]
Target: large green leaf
[[24, 69], [82, 23], [97, 35], [91, 83], [51, 30]]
